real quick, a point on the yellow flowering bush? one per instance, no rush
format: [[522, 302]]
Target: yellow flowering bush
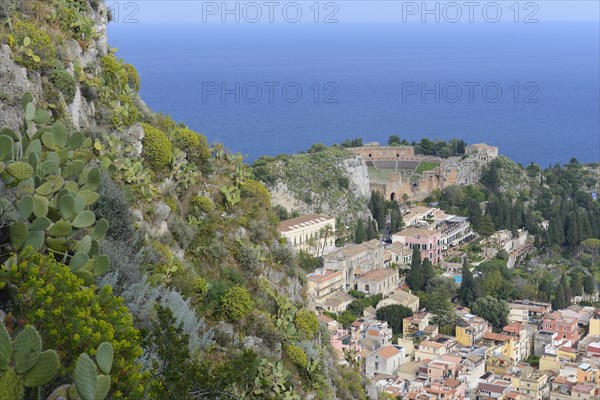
[[157, 147], [194, 144], [73, 319], [257, 191]]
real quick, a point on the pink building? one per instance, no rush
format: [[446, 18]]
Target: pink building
[[428, 241], [565, 327]]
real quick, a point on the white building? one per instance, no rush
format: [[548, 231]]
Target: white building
[[312, 233], [385, 361]]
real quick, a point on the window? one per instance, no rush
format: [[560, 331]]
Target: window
[[376, 365]]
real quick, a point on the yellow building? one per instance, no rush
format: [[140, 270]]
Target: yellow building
[[532, 382], [550, 363], [595, 324], [471, 330], [504, 343]]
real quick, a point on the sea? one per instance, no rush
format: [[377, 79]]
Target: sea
[[532, 89]]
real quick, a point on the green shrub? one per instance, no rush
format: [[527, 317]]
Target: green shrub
[[40, 45], [194, 144], [133, 78], [131, 117], [307, 323], [73, 319], [202, 204], [200, 287], [296, 355], [65, 83], [172, 203], [237, 303], [113, 71], [256, 191], [157, 147]]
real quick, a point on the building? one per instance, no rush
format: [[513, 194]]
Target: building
[[415, 323], [529, 312], [471, 369], [565, 327], [522, 342], [337, 302], [385, 361], [434, 349], [311, 233], [482, 151], [322, 284], [427, 241], [399, 254], [378, 281], [595, 324], [355, 260], [418, 215], [403, 298], [455, 231], [542, 340], [531, 382], [471, 329]]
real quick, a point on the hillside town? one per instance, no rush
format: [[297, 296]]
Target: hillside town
[[539, 353]]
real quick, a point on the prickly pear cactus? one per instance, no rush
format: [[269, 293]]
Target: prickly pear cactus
[[89, 385], [30, 369], [57, 185]]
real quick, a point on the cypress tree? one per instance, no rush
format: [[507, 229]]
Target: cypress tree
[[566, 289], [559, 302], [415, 275], [588, 284], [427, 271], [576, 284], [360, 233], [467, 293]]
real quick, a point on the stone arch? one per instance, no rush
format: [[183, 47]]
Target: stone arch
[[393, 196]]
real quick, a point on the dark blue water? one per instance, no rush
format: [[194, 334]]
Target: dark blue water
[[365, 80]]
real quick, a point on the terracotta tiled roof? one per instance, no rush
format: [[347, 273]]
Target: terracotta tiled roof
[[378, 274], [327, 274], [497, 337], [453, 383], [388, 351]]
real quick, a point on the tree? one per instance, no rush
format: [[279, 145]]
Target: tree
[[394, 140], [394, 315], [427, 271], [576, 284], [588, 285], [566, 289], [360, 233], [487, 228], [591, 246], [467, 292], [492, 310], [415, 275], [560, 301], [492, 283], [438, 303]]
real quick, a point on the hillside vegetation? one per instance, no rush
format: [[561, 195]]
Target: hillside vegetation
[[120, 227]]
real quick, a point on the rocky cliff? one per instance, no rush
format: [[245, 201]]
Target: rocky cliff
[[119, 201]]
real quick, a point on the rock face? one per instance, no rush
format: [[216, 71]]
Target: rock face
[[359, 176], [15, 81], [332, 182]]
